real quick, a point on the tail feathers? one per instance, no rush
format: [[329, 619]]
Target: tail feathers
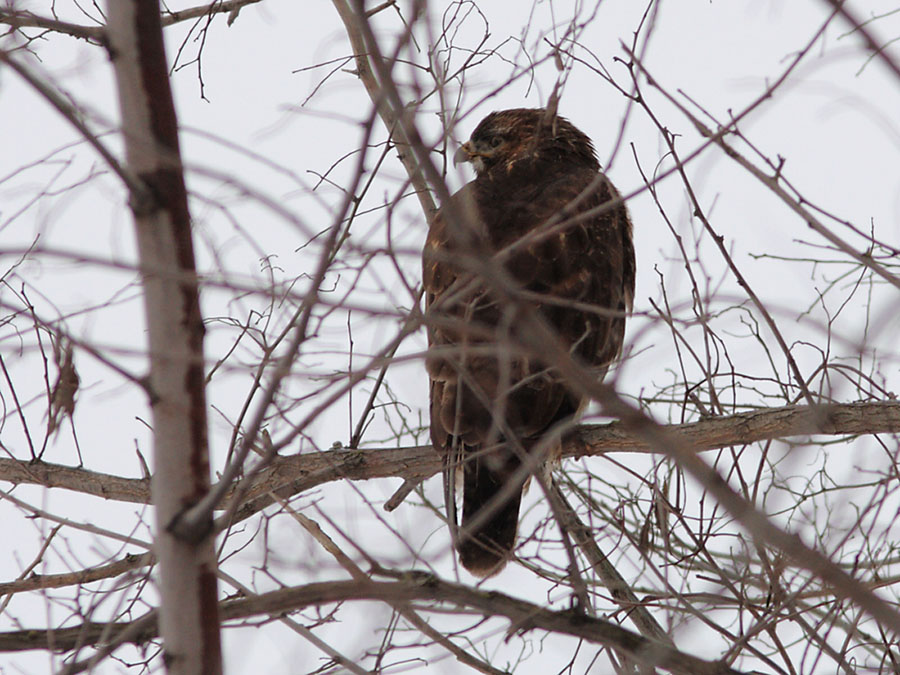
[[485, 549]]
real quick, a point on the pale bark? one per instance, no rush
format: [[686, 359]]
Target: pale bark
[[293, 474], [523, 616], [21, 18], [187, 569]]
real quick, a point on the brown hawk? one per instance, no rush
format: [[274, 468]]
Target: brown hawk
[[536, 207]]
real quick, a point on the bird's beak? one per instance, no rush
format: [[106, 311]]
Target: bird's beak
[[464, 154]]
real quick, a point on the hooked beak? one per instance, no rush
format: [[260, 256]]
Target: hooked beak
[[465, 153]]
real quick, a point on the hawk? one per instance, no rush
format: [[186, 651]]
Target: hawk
[[538, 210]]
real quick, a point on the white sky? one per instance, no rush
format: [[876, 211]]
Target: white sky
[[835, 123]]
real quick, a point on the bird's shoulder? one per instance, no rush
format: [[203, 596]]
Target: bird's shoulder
[[458, 224]]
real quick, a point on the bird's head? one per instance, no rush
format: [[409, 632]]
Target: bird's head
[[506, 137]]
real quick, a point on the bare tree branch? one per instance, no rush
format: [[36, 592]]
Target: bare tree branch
[[378, 93], [877, 47], [20, 18], [43, 581], [176, 382], [287, 476], [523, 616]]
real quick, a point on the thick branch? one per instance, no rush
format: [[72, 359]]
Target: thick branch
[[524, 616], [176, 381], [287, 476]]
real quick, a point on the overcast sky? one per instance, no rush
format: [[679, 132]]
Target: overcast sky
[[260, 131]]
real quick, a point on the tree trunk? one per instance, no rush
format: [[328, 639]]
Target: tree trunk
[[187, 569]]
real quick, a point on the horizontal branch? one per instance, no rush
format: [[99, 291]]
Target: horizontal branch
[[287, 476], [38, 582], [21, 18], [524, 616], [764, 424], [77, 479]]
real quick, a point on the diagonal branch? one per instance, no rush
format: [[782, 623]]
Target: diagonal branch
[[878, 47], [367, 65]]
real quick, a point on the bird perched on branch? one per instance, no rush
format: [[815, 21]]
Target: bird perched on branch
[[541, 219]]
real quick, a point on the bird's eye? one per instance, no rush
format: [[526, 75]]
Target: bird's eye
[[495, 141]]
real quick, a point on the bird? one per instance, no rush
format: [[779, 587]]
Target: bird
[[541, 211]]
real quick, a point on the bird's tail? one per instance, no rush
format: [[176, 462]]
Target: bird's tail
[[488, 533]]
